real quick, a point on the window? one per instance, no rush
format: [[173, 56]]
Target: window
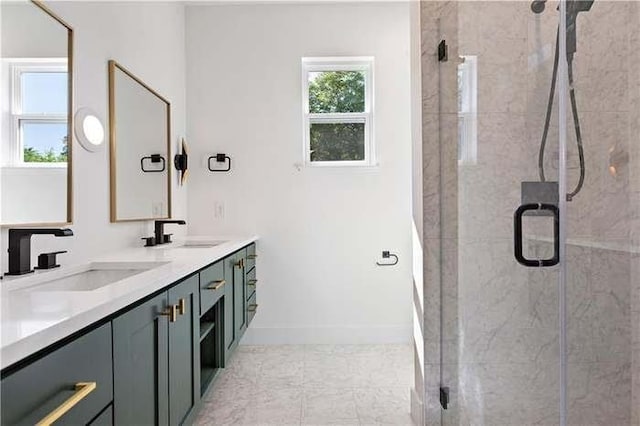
[[39, 108], [338, 111], [468, 110]]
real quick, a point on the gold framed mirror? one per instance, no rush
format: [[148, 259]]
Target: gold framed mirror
[[140, 148], [36, 173]]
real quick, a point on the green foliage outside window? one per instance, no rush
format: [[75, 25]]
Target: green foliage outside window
[[32, 155], [337, 92]]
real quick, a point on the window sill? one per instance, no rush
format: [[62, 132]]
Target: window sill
[[35, 166], [340, 165]]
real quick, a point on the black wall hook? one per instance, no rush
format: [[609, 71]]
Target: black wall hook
[[154, 158], [220, 158], [386, 254]]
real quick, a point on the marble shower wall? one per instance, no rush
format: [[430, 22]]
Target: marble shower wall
[[499, 343], [634, 184]]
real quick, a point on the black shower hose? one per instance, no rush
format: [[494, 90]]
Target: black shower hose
[[576, 121]]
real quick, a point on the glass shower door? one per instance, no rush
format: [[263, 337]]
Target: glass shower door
[[500, 340], [539, 310]]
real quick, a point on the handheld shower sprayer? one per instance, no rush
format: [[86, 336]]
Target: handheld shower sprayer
[[574, 7]]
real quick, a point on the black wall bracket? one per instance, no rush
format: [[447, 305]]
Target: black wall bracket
[[219, 158], [443, 51], [444, 397]]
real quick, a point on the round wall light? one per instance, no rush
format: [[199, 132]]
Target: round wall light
[[89, 130]]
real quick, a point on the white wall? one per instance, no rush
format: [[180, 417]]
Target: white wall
[[33, 194], [148, 39], [19, 40], [321, 229]]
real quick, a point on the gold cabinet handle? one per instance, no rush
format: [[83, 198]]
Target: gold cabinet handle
[[252, 256], [252, 283], [171, 312], [252, 307], [239, 263], [82, 389], [216, 285], [182, 306]]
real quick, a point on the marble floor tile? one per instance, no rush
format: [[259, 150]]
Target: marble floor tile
[[328, 406], [347, 385], [383, 406], [277, 406]]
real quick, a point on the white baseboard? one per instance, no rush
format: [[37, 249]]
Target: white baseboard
[[327, 335]]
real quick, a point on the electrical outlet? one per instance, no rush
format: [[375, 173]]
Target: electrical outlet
[[218, 210]]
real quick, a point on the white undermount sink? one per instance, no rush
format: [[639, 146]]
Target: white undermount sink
[[195, 244], [89, 277]]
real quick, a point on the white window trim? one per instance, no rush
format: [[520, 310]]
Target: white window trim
[[16, 68], [358, 63], [468, 154]]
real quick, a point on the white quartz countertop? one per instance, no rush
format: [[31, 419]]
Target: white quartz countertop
[[32, 320]]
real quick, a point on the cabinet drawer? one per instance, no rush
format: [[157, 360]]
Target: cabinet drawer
[[252, 307], [251, 257], [251, 283], [82, 368], [212, 284]]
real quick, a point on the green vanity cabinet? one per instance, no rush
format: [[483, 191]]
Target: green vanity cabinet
[[146, 364], [105, 418], [156, 358], [229, 324], [251, 257], [239, 287], [141, 364], [80, 368], [251, 283], [184, 350], [212, 286], [232, 322], [234, 314]]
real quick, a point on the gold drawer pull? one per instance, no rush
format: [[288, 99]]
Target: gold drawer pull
[[82, 390], [182, 306], [252, 283], [252, 256], [240, 263], [252, 308], [216, 285], [171, 312]]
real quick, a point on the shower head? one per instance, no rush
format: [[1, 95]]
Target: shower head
[[573, 6], [576, 6], [537, 6]]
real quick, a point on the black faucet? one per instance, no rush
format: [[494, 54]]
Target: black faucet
[[20, 247], [160, 236]]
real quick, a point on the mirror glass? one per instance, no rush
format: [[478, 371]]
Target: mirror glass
[[36, 79], [139, 129]]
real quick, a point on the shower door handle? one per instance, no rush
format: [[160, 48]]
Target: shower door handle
[[517, 235]]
